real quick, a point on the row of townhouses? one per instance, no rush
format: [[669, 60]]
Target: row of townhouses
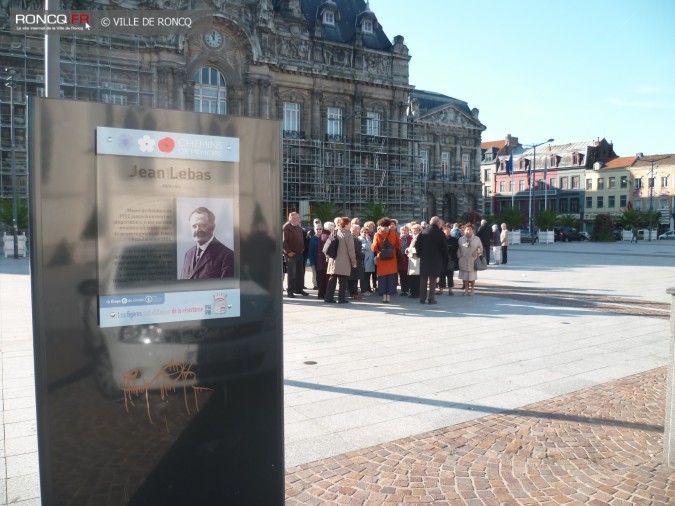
[[582, 179], [355, 130]]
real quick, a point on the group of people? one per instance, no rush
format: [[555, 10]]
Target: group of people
[[421, 258]]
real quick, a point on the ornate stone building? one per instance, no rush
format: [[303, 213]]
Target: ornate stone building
[[354, 129]]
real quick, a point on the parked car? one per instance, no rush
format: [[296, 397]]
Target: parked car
[[668, 235], [526, 236], [566, 234]]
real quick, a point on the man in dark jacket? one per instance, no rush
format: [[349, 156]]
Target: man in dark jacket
[[432, 249], [293, 246], [484, 233]]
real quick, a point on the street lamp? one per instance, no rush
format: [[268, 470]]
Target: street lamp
[[9, 82], [531, 178]]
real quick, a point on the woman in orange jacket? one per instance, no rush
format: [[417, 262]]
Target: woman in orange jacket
[[387, 269]]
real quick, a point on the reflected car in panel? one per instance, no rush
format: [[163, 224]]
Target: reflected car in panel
[[176, 353]]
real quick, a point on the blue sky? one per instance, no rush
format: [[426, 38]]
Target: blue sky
[[572, 70]]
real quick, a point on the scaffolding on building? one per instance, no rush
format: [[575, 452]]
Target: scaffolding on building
[[352, 173], [94, 68]]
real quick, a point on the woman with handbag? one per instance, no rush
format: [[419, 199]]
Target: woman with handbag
[[357, 272], [447, 275], [322, 260], [496, 242], [384, 245], [470, 248], [414, 262], [340, 267], [406, 239]]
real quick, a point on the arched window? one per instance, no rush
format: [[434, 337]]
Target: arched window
[[210, 91]]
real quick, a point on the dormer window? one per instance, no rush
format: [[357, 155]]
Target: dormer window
[[329, 17], [367, 26], [577, 158], [554, 160]]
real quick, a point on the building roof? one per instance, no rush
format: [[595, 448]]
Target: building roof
[[570, 155], [620, 162], [349, 14], [431, 100], [493, 144], [569, 147], [646, 161]]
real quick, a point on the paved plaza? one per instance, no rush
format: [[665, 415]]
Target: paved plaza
[[546, 387]]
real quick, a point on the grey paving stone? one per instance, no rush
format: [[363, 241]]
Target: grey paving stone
[[14, 403], [19, 415], [21, 445], [20, 465], [20, 429], [23, 488]]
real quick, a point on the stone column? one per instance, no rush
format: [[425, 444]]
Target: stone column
[[189, 95], [163, 90], [315, 127], [250, 89], [669, 433], [264, 99]]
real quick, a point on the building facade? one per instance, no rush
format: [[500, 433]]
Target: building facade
[[490, 151], [581, 179], [607, 189], [354, 129], [652, 185], [556, 173]]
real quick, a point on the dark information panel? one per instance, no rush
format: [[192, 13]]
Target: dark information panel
[[156, 306]]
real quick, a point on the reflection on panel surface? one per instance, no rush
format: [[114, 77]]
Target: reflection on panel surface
[[154, 410]]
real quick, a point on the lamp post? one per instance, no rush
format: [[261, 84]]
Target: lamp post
[[531, 177], [9, 82]]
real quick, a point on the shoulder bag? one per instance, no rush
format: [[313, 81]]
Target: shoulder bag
[[386, 249], [330, 249], [479, 264]]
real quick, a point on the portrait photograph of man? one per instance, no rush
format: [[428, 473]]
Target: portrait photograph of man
[[208, 257]]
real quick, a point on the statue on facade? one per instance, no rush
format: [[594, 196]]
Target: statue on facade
[[219, 5], [265, 13]]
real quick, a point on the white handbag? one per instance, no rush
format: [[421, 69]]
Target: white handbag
[[413, 266]]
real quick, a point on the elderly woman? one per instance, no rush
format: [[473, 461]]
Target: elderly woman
[[369, 228], [356, 273], [313, 251], [387, 268], [340, 267], [447, 275], [414, 261], [322, 261], [504, 238], [368, 262], [470, 248], [496, 244], [406, 239]]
